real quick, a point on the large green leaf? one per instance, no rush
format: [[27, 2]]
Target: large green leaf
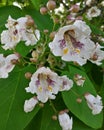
[[78, 125], [81, 110], [37, 3], [47, 120], [22, 49], [102, 95], [12, 96], [44, 121]]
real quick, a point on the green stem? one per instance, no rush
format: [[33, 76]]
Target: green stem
[[53, 107]]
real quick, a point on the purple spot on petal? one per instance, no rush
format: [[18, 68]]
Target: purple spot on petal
[[62, 43], [15, 32], [76, 44], [64, 83], [37, 83], [50, 81]]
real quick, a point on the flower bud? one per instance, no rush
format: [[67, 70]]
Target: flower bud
[[43, 10], [52, 35], [66, 110], [79, 79], [74, 8], [28, 75], [54, 117], [86, 94], [30, 21], [33, 60], [79, 100], [41, 104], [45, 31], [94, 57], [62, 112], [30, 104], [35, 54], [51, 5], [65, 121], [14, 61]]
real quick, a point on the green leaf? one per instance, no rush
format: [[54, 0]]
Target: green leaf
[[12, 96], [78, 125], [81, 110], [96, 30], [36, 4], [22, 49], [44, 121], [5, 52]]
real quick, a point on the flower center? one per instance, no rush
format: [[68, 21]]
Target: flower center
[[70, 39], [44, 82], [69, 43], [93, 11]]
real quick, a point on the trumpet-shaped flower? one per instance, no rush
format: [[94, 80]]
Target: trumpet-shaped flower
[[65, 121], [72, 43], [46, 84], [79, 79], [10, 38], [66, 83], [18, 31], [30, 104], [29, 35], [93, 12], [94, 103], [97, 55], [6, 65]]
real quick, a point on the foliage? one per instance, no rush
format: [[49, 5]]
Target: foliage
[[12, 88]]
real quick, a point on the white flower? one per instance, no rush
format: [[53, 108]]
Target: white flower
[[10, 38], [93, 12], [65, 121], [102, 3], [30, 104], [79, 79], [72, 43], [97, 55], [66, 83], [10, 22], [46, 84], [18, 31], [88, 2], [29, 35], [6, 65], [94, 103]]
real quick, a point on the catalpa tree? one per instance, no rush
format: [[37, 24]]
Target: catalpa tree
[[51, 64]]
